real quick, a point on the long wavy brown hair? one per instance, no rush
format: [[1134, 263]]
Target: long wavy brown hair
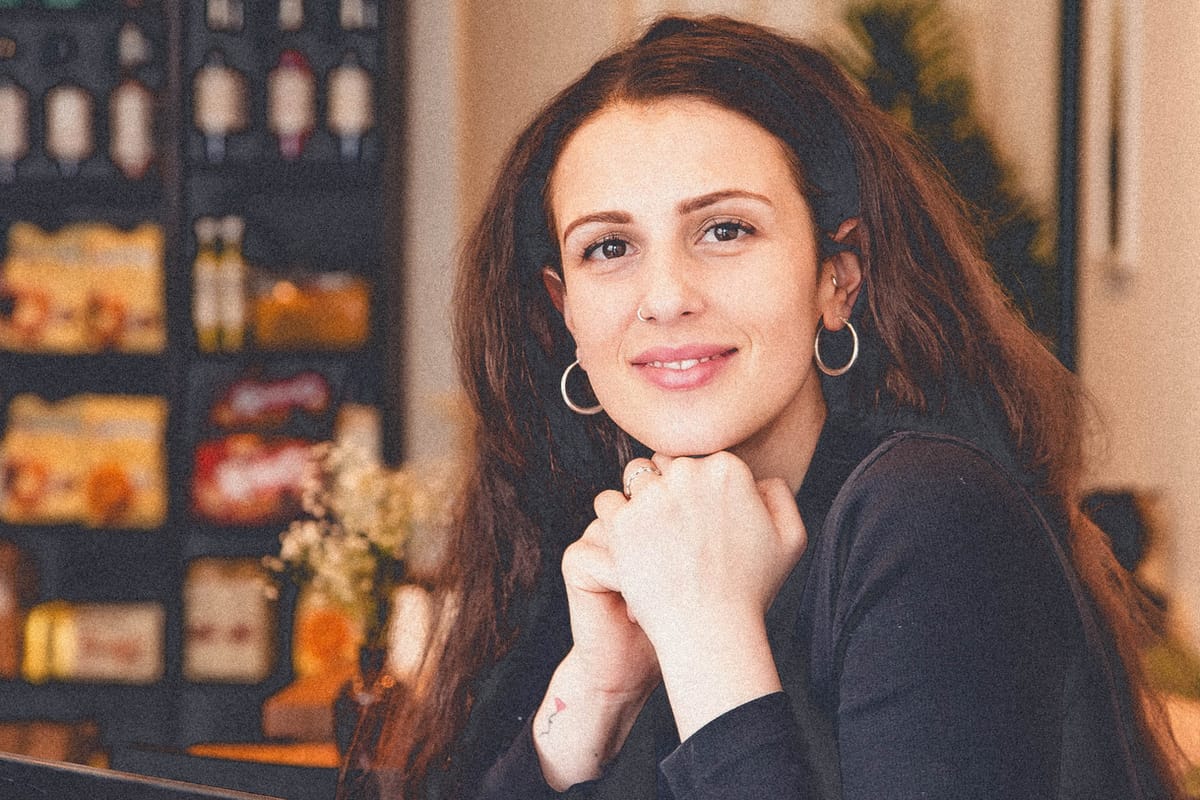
[[934, 319]]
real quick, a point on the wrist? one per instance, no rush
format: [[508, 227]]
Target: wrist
[[580, 726], [713, 668]]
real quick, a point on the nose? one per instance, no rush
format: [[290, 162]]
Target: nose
[[670, 286]]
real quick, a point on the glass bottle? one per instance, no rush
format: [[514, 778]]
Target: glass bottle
[[219, 104], [291, 103], [14, 128], [133, 48], [291, 15], [225, 16], [69, 126], [350, 110], [205, 315], [131, 128], [231, 284], [354, 15]]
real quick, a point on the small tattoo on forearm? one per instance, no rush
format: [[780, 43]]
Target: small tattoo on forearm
[[559, 707]]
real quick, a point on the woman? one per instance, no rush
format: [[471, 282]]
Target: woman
[[848, 569]]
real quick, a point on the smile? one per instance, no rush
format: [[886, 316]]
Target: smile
[[685, 364], [684, 368]]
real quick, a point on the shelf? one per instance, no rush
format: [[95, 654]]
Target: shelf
[[316, 214], [57, 201], [233, 542], [132, 713], [54, 376], [264, 174]]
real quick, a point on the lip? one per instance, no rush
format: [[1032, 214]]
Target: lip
[[685, 367]]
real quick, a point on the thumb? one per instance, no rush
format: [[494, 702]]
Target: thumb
[[588, 567], [781, 506]]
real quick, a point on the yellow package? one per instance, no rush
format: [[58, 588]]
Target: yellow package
[[44, 282], [124, 306], [327, 312], [101, 642], [40, 457], [124, 471]]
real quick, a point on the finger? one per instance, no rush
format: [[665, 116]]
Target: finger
[[637, 472], [781, 505], [588, 567], [607, 503]]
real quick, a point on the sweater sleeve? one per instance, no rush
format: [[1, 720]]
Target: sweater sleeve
[[749, 752], [517, 775]]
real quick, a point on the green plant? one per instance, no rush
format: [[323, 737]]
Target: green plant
[[906, 56]]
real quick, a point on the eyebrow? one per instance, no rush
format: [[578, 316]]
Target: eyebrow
[[612, 217], [712, 198], [688, 206]]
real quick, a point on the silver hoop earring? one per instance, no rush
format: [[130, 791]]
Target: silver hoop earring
[[578, 409], [842, 370], [640, 317]]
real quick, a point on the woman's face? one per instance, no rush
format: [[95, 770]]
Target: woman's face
[[690, 213]]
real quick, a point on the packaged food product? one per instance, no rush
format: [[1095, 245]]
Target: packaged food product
[[124, 306], [85, 288], [43, 290], [41, 457], [229, 622], [94, 642], [330, 311], [267, 403], [248, 479], [91, 459], [124, 476], [17, 584]]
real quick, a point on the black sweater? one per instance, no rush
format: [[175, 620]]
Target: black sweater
[[932, 643]]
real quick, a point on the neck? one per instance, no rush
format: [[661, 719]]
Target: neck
[[785, 448]]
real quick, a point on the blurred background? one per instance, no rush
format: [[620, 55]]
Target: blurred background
[[229, 232]]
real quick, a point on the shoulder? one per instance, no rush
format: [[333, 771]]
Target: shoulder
[[919, 457], [926, 478], [934, 502]]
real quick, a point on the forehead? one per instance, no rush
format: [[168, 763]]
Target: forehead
[[630, 153]]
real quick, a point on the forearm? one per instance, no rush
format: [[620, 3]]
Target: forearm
[[577, 730], [713, 666]]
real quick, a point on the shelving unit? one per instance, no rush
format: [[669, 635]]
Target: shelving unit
[[319, 212]]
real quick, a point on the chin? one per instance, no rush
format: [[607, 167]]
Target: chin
[[694, 441]]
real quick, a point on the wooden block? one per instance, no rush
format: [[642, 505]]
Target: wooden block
[[303, 710]]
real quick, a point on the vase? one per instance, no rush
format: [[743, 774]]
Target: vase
[[359, 697]]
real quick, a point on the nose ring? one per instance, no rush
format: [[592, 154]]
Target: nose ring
[[642, 318]]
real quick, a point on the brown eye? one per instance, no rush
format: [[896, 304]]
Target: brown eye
[[613, 249], [726, 231], [607, 249]]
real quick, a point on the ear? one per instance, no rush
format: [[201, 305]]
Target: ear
[[846, 268], [557, 291]]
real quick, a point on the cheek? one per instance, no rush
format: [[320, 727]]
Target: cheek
[[595, 330]]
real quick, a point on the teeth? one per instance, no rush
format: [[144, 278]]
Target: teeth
[[687, 363]]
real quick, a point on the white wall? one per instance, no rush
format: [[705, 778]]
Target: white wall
[[1140, 305], [433, 219]]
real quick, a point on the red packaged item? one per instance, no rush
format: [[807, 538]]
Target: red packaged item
[[266, 403], [246, 479]]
